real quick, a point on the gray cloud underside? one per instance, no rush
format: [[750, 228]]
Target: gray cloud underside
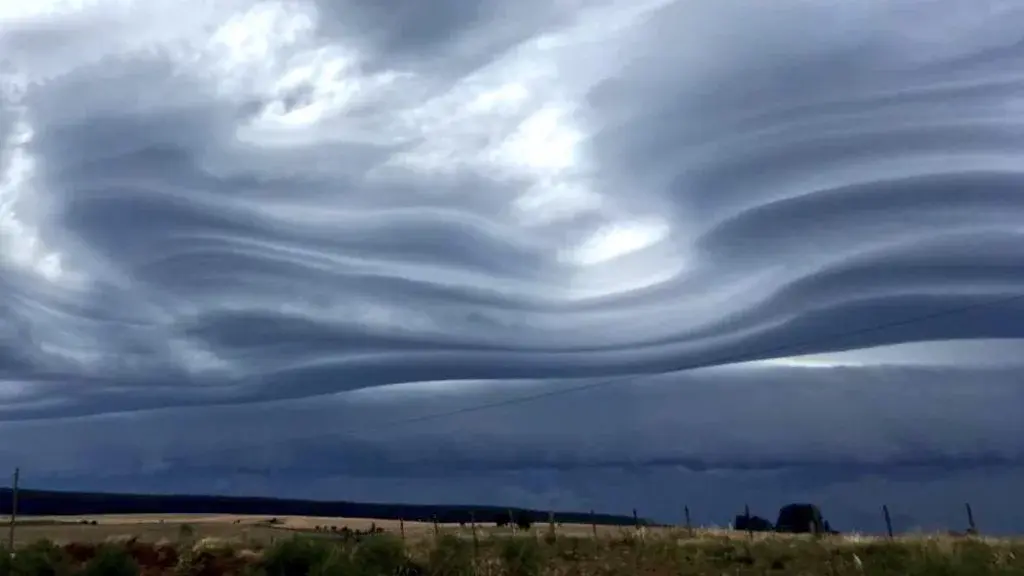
[[254, 231], [923, 440]]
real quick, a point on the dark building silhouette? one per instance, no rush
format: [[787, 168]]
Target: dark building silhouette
[[802, 519], [752, 523]]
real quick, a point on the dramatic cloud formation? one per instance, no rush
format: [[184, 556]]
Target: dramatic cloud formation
[[590, 254]]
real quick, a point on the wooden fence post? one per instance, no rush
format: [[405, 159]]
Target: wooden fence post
[[551, 523], [638, 552], [593, 523], [401, 527], [437, 529], [888, 520], [689, 526], [512, 521], [972, 527], [476, 542], [14, 510]]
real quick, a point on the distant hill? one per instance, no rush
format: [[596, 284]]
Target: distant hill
[[57, 503]]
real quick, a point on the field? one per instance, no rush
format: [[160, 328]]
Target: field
[[286, 546], [257, 530]]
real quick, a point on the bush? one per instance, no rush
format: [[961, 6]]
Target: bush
[[296, 557], [524, 521], [186, 532], [451, 556], [338, 562], [111, 561], [522, 557], [381, 555], [376, 555], [207, 559], [42, 558]]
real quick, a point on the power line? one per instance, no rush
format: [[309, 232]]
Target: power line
[[713, 361], [705, 363], [708, 362]]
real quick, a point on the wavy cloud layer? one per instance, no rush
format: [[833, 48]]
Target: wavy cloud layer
[[792, 232]]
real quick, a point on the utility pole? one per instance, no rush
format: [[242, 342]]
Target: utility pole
[[14, 511]]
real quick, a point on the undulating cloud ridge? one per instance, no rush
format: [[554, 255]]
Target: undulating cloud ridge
[[665, 234]]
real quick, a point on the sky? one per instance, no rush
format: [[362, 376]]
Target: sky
[[581, 254]]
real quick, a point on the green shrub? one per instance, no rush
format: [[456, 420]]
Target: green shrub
[[209, 559], [111, 560], [5, 561], [377, 555], [886, 557], [522, 556], [42, 558], [186, 532], [380, 555], [296, 557], [451, 556], [338, 562]]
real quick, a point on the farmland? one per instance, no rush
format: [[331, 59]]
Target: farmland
[[226, 544]]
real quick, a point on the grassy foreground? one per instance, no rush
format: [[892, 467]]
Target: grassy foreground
[[535, 554]]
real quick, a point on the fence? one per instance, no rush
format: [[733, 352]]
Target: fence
[[750, 525]]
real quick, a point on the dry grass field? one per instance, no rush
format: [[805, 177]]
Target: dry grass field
[[243, 529], [296, 546]]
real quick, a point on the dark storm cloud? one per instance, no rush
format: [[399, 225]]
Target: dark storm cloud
[[257, 213], [674, 440], [699, 420]]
